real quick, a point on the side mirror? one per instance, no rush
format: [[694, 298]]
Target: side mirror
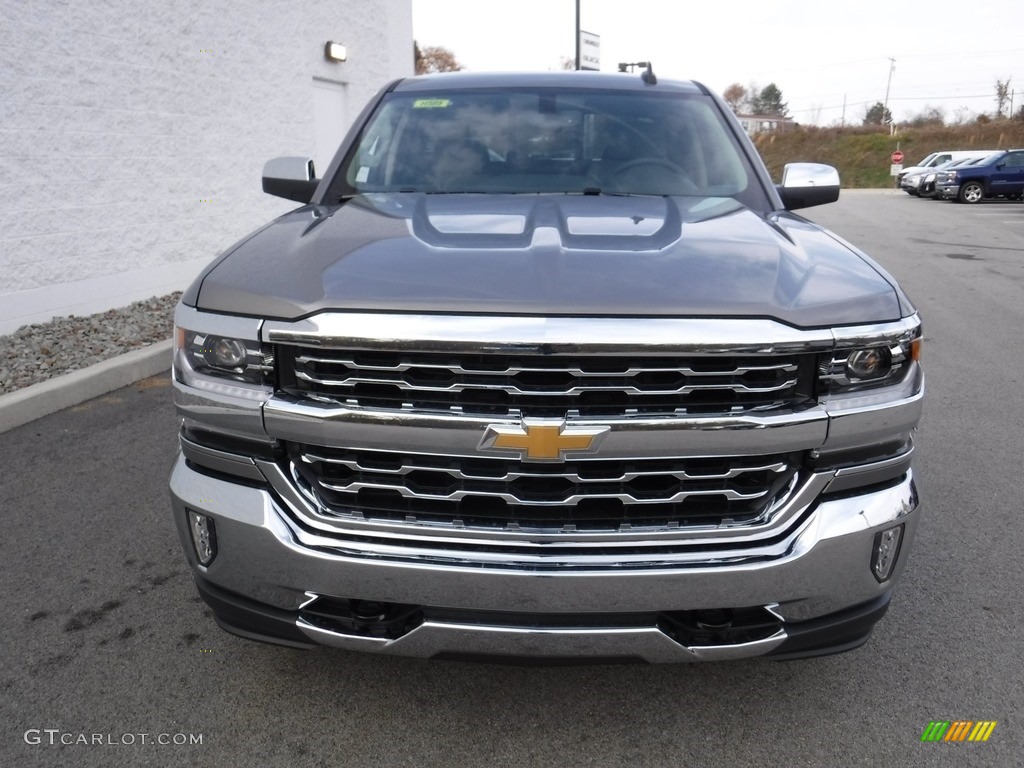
[[807, 184], [292, 178]]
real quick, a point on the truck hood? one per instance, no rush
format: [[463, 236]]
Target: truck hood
[[549, 255]]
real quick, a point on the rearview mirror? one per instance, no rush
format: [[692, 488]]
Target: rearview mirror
[[807, 184], [293, 178]]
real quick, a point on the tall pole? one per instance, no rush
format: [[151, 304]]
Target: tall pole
[[885, 107], [577, 35]]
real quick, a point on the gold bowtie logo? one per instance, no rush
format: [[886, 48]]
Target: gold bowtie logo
[[542, 440]]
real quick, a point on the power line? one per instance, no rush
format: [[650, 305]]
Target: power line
[[894, 98], [959, 55]]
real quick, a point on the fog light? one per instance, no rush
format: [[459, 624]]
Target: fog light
[[204, 537], [885, 551]]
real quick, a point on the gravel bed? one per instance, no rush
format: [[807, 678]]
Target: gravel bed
[[39, 352]]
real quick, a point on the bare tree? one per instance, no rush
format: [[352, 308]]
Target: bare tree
[[568, 63], [930, 115], [750, 104], [1002, 97], [735, 96], [434, 58]]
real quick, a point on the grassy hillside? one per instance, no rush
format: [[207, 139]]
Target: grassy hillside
[[862, 154]]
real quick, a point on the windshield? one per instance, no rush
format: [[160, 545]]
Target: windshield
[[544, 140], [927, 160]]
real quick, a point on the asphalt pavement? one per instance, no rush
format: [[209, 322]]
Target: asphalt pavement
[[104, 640]]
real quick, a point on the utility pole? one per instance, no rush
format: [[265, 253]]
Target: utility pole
[[885, 107], [842, 120], [577, 35]]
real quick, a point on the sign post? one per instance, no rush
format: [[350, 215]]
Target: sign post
[[897, 163]]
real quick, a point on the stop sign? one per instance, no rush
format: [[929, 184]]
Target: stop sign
[[897, 156]]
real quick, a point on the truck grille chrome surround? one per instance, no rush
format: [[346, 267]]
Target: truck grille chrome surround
[[382, 418]]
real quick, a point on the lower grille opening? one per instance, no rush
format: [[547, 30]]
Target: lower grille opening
[[365, 618], [706, 627], [727, 626], [581, 495]]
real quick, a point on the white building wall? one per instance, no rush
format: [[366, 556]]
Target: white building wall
[[133, 134]]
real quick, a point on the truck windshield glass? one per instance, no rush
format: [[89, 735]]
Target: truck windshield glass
[[549, 141]]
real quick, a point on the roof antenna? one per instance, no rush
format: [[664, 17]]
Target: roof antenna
[[648, 74]]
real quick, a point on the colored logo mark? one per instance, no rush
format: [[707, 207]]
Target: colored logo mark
[[540, 440], [958, 730]]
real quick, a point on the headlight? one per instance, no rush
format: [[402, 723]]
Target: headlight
[[871, 363], [241, 360], [864, 363], [225, 354]]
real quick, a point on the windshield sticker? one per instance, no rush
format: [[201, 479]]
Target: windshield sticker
[[362, 175], [431, 103]]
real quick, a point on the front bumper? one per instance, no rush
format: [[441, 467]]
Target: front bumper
[[947, 192], [272, 581]]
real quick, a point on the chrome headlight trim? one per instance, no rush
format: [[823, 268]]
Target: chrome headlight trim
[[194, 333]]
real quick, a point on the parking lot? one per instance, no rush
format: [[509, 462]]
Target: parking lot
[[102, 633]]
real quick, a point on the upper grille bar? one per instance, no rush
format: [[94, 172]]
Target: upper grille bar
[[351, 381], [580, 372]]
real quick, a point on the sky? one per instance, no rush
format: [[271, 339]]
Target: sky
[[820, 53]]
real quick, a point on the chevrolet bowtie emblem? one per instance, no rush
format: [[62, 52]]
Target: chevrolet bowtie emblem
[[542, 439]]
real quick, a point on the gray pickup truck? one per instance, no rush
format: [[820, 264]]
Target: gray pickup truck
[[545, 366]]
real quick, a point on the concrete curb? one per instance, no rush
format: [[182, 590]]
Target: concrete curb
[[46, 397]]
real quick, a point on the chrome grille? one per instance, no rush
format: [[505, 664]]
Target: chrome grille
[[546, 385], [498, 493]]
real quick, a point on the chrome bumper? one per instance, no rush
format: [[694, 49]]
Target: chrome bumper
[[825, 569]]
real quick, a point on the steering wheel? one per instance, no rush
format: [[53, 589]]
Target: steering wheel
[[658, 162], [678, 175]]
